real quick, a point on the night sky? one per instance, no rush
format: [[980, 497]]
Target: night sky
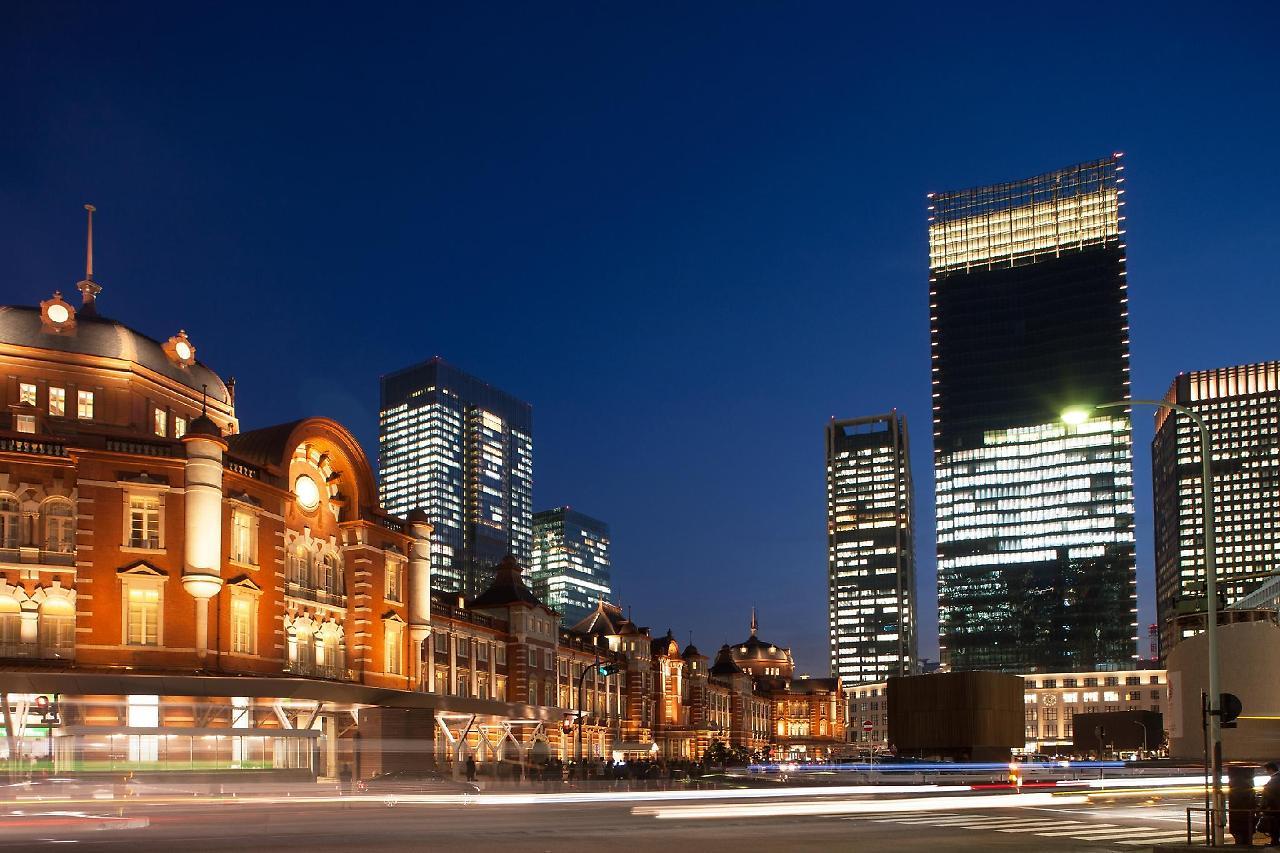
[[687, 233]]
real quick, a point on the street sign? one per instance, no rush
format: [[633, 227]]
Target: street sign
[[867, 726]]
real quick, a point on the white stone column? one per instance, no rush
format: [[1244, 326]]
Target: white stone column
[[418, 582], [202, 531]]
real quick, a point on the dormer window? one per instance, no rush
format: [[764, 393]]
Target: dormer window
[[27, 393]]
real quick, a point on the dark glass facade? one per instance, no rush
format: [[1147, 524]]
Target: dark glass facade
[[572, 566], [870, 549], [1028, 308], [462, 451]]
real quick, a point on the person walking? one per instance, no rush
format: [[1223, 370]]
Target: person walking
[[1270, 803], [471, 768]]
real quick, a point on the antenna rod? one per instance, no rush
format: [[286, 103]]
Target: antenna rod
[[88, 260]]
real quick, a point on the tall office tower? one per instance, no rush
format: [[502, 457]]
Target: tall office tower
[[1029, 315], [571, 570], [870, 549], [1241, 407], [461, 450]]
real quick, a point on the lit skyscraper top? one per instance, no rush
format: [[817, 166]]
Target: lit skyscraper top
[[1028, 308], [572, 567], [462, 451], [870, 549]]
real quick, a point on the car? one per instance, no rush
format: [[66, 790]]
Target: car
[[415, 782]]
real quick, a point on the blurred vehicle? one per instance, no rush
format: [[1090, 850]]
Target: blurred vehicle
[[415, 782]]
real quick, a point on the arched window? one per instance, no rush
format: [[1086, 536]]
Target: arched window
[[297, 573], [330, 575], [8, 521], [10, 627], [59, 522], [57, 628]]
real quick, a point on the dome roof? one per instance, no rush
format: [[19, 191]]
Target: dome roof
[[756, 649], [22, 325]]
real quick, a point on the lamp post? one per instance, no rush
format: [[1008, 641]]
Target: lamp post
[[604, 670], [1077, 416], [1145, 748]]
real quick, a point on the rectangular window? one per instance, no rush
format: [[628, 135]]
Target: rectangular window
[[243, 536], [27, 393], [500, 654], [179, 426], [144, 616], [242, 633], [84, 405], [25, 423], [500, 689], [482, 652], [144, 522], [57, 401], [395, 649], [394, 572], [550, 660], [161, 422]]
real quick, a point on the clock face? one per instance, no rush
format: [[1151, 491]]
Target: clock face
[[59, 313], [1051, 699], [183, 350], [307, 492]]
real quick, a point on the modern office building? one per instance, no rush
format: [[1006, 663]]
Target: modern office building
[[870, 549], [1028, 309], [462, 451], [1241, 407], [571, 568]]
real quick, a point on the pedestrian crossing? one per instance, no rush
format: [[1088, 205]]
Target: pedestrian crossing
[[1041, 827]]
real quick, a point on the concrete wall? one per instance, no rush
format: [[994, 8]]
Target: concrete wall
[[1249, 667]]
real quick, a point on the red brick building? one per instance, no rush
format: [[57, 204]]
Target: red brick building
[[192, 596]]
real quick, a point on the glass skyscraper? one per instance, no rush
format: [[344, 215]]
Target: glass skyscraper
[[572, 568], [1241, 407], [870, 549], [1028, 307], [462, 451]]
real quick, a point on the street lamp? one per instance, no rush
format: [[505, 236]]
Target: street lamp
[[603, 670], [1078, 415]]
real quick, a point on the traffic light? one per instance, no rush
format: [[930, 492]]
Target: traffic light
[[607, 669], [48, 711]]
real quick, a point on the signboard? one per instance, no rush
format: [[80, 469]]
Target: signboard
[[867, 726]]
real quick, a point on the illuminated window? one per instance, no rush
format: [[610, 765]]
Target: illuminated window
[[84, 405], [243, 620], [57, 401], [161, 422], [143, 628], [395, 574], [144, 521], [393, 638], [59, 520], [27, 394], [179, 426], [25, 423], [244, 537]]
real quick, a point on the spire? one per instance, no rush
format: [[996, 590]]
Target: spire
[[89, 289], [754, 624]]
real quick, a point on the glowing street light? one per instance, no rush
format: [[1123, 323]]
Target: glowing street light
[[1076, 416]]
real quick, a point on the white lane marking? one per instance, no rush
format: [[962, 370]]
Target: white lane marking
[[1128, 832], [1044, 824], [1099, 827], [1158, 839]]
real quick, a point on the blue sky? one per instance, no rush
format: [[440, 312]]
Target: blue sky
[[687, 233]]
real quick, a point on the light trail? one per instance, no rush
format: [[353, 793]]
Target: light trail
[[911, 804]]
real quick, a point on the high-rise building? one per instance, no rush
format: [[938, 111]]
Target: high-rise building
[[571, 569], [1028, 308], [870, 549], [1241, 408], [462, 451]]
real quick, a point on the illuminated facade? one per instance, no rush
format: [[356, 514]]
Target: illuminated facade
[[461, 450], [1028, 308], [1051, 700], [571, 568], [1241, 407], [870, 549]]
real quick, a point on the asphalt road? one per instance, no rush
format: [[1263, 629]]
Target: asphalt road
[[533, 824]]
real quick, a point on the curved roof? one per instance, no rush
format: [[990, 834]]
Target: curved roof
[[725, 664], [754, 649], [21, 325]]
